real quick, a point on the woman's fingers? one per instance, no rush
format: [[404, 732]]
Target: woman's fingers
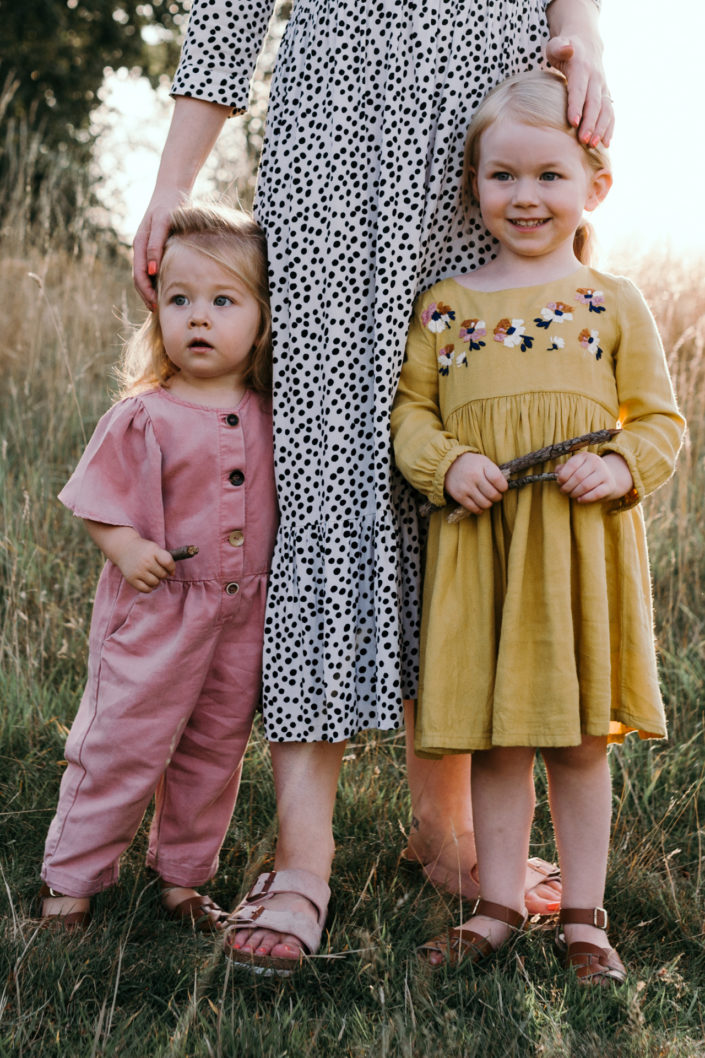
[[590, 107], [148, 248]]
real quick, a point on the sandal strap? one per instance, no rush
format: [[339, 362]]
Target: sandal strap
[[291, 880], [308, 928], [591, 963], [584, 916], [515, 919]]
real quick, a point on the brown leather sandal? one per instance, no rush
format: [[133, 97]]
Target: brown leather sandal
[[593, 965], [71, 921], [465, 945], [197, 912]]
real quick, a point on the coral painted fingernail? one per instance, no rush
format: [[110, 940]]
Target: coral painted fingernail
[[152, 268], [553, 907]]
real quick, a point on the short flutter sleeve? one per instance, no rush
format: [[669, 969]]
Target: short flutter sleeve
[[220, 52], [118, 478], [424, 450]]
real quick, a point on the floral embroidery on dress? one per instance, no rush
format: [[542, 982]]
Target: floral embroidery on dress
[[437, 317], [554, 312], [594, 299], [445, 359], [509, 333], [471, 331], [556, 343], [590, 341]]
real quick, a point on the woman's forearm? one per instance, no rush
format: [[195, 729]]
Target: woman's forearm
[[580, 18], [195, 126]]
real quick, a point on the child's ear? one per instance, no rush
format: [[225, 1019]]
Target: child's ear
[[472, 174], [600, 183]]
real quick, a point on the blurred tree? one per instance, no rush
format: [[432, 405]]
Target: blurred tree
[[53, 64], [60, 49]]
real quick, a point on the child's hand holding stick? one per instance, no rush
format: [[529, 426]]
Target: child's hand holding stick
[[532, 459]]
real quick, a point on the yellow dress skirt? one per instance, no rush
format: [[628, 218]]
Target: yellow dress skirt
[[537, 622]]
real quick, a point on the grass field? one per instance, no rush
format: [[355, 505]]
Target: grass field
[[136, 985]]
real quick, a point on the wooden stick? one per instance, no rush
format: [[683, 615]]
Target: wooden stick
[[180, 553], [531, 459]]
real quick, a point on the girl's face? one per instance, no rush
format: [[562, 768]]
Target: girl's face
[[533, 184], [209, 321]]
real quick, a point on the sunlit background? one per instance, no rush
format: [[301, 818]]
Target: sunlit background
[[653, 54]]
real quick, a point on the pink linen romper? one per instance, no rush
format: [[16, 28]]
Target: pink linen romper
[[173, 675]]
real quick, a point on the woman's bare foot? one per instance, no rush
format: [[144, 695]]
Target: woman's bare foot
[[453, 868]]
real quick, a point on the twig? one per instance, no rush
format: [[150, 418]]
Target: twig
[[180, 553], [531, 459]]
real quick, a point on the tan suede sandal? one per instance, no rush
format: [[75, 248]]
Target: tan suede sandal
[[465, 945], [197, 912], [71, 921], [252, 913], [592, 965], [538, 871]]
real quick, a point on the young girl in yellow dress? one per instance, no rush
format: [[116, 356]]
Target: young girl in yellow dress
[[537, 625]]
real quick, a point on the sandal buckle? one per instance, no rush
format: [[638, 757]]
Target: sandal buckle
[[599, 918]]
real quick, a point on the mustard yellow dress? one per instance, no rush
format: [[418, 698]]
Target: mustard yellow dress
[[537, 621]]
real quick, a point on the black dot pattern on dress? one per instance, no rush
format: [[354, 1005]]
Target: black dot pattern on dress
[[359, 193]]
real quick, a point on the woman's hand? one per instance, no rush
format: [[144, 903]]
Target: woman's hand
[[587, 477], [575, 48], [149, 242], [475, 482]]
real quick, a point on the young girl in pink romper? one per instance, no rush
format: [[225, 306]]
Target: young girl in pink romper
[[174, 668]]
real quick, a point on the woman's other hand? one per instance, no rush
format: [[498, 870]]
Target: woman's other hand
[[575, 48]]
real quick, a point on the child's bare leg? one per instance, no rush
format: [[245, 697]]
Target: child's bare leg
[[580, 798], [306, 781], [442, 823], [503, 801], [503, 805]]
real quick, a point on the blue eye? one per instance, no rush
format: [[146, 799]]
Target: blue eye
[[180, 299], [501, 176], [222, 299], [550, 176]]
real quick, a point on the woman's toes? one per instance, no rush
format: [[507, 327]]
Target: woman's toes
[[287, 948]]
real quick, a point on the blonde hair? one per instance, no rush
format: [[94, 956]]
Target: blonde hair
[[538, 98], [237, 243]]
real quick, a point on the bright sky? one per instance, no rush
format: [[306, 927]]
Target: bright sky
[[653, 54]]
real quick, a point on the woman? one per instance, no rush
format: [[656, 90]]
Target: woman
[[357, 192]]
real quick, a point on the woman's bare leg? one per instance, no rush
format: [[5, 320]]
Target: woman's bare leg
[[306, 781]]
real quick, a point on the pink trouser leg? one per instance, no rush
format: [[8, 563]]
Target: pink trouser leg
[[142, 717], [197, 793]]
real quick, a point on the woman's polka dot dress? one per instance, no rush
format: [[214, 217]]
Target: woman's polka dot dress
[[359, 193]]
